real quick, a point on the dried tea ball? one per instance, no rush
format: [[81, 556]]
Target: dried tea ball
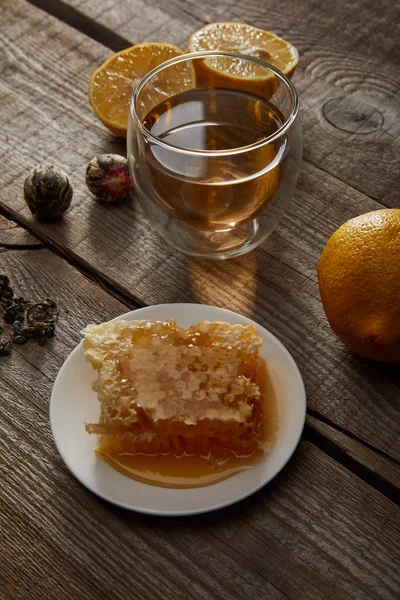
[[107, 177], [47, 192]]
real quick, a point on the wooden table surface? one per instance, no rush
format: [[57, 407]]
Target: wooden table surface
[[329, 525]]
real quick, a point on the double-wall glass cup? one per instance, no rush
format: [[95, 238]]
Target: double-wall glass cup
[[214, 150]]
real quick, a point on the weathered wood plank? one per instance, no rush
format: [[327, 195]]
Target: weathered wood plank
[[293, 539], [348, 78], [387, 470], [13, 235], [128, 21], [47, 118]]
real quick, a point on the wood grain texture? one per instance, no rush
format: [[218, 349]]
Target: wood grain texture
[[348, 78], [46, 118], [122, 28], [361, 458], [126, 18], [310, 535], [13, 235]]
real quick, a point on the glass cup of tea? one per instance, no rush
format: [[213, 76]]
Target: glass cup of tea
[[214, 150]]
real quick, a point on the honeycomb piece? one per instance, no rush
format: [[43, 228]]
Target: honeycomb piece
[[164, 388]]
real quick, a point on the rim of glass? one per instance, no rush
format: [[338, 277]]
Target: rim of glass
[[217, 53]]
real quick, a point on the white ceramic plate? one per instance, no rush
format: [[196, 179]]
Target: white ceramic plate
[[73, 403]]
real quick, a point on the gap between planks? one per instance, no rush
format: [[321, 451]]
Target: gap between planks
[[315, 415], [72, 259], [355, 455], [363, 470], [73, 17], [115, 42]]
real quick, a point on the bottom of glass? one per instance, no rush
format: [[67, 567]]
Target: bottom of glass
[[227, 248]]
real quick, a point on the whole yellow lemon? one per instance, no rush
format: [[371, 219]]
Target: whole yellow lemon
[[359, 283]]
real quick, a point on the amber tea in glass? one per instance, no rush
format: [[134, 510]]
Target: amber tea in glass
[[213, 166]]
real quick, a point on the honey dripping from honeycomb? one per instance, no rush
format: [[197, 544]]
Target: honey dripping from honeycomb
[[180, 407]]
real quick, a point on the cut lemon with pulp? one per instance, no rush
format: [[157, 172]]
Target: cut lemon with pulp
[[244, 39], [112, 84]]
